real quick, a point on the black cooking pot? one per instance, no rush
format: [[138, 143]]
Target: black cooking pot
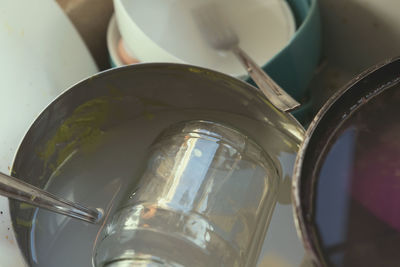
[[344, 185]]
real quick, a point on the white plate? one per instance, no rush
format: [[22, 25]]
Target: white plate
[[113, 37], [164, 30], [41, 55]]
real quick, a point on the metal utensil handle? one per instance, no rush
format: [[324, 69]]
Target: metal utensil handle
[[17, 189], [274, 93]]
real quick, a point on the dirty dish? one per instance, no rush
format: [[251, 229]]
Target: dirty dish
[[104, 126], [41, 55], [292, 67], [164, 31]]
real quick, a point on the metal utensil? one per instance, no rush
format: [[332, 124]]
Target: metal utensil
[[219, 34], [19, 190]]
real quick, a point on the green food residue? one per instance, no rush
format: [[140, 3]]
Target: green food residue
[[82, 130], [215, 76], [23, 223], [24, 206]]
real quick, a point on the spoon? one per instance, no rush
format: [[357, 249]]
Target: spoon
[[218, 33], [19, 190]]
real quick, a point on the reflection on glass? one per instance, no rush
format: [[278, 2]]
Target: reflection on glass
[[357, 203], [204, 199]]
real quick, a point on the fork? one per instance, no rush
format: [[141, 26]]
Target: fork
[[218, 33]]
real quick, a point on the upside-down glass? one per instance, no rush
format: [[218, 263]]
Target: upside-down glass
[[205, 199]]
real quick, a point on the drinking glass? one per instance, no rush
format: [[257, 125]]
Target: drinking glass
[[205, 198]]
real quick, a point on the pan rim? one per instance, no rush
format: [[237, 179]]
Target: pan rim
[[302, 226]]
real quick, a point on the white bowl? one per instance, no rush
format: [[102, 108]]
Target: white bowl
[[41, 55], [164, 31]]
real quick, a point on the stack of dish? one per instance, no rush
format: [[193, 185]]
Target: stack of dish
[[160, 30], [282, 36]]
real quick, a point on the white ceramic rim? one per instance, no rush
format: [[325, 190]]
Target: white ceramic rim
[[132, 34]]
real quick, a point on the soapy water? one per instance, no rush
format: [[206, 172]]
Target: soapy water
[[100, 177]]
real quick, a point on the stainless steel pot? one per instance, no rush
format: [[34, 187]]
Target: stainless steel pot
[[120, 95], [137, 94]]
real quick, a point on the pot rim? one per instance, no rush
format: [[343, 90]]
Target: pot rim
[[301, 224]]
